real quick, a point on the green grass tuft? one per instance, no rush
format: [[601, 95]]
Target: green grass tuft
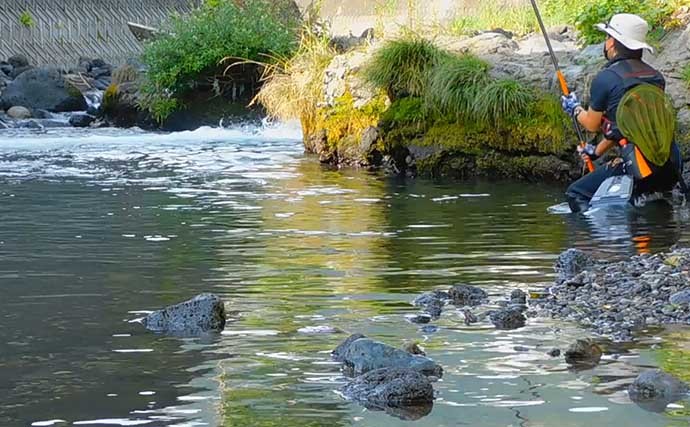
[[455, 84], [502, 100], [401, 67]]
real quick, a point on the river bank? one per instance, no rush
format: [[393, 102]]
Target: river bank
[[400, 135]]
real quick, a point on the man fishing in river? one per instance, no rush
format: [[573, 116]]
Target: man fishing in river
[[628, 106]]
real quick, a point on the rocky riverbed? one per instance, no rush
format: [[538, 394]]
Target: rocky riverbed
[[620, 299]]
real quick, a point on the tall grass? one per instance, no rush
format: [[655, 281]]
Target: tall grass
[[293, 86], [502, 100], [455, 83], [401, 67]]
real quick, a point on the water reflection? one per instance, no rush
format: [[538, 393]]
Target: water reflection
[[98, 228]]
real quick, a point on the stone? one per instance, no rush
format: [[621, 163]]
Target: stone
[[521, 348], [469, 317], [390, 386], [42, 88], [679, 298], [518, 296], [360, 355], [202, 314], [369, 138], [432, 302], [6, 68], [413, 348], [81, 120], [583, 352], [16, 72], [481, 44], [554, 352], [507, 319], [462, 295], [572, 262], [656, 384], [19, 113], [422, 318], [18, 61]]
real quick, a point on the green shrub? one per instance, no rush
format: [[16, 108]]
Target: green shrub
[[502, 100], [26, 19], [455, 83], [401, 67], [592, 12], [193, 46]]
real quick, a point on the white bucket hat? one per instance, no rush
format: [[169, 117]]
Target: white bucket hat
[[629, 29]]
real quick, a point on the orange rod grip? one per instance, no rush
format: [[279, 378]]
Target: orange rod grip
[[562, 82]]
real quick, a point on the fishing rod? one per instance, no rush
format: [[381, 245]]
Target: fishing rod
[[561, 80]]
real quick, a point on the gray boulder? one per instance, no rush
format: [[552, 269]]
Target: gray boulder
[[432, 302], [508, 318], [42, 88], [19, 113], [682, 297], [462, 295], [659, 386], [360, 355], [572, 262], [584, 352], [81, 120], [18, 61], [390, 387], [202, 314]]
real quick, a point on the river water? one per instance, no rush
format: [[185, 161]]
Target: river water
[[99, 227]]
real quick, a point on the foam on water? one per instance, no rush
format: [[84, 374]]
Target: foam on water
[[117, 157]]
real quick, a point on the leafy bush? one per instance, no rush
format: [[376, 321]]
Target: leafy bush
[[193, 46], [401, 67], [455, 83], [502, 100], [591, 12]]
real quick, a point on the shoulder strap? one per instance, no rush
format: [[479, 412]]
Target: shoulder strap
[[634, 72]]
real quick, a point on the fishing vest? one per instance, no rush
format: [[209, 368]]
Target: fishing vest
[[632, 73]]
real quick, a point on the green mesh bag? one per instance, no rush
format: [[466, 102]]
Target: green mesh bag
[[646, 118]]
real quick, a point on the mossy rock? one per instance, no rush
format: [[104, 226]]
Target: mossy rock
[[495, 165]]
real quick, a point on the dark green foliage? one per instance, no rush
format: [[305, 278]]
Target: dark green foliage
[[455, 84], [401, 67], [405, 111], [502, 100], [593, 12], [194, 45]]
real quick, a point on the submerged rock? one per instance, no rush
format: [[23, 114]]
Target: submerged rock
[[470, 317], [419, 318], [554, 352], [508, 318], [654, 390], [583, 352], [432, 302], [391, 387], [81, 120], [462, 295], [203, 313], [360, 355], [572, 262], [518, 296]]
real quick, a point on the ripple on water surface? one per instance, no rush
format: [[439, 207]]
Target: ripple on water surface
[[101, 227]]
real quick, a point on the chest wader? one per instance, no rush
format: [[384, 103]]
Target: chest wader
[[646, 119]]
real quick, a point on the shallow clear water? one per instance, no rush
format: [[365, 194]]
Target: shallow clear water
[[99, 227]]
